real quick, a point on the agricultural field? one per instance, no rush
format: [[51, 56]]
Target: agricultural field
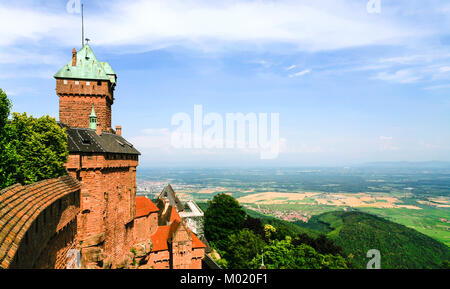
[[417, 197]]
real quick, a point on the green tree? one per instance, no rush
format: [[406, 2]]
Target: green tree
[[8, 156], [285, 255], [223, 218], [41, 148], [31, 149], [5, 108], [243, 247], [269, 231]]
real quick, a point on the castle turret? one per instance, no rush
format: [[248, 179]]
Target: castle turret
[[93, 120], [82, 83]]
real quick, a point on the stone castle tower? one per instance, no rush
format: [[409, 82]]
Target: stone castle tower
[[93, 212], [100, 158], [84, 82]]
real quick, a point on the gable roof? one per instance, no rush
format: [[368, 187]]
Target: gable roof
[[88, 141], [196, 242], [169, 194], [144, 206], [87, 67], [174, 217], [160, 238], [164, 234]]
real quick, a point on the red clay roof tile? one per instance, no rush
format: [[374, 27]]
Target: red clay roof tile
[[159, 238], [144, 206]]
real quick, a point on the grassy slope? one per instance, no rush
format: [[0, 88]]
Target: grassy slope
[[400, 246]]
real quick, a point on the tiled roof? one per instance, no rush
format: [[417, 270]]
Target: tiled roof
[[88, 141], [21, 205], [160, 238], [164, 235], [196, 242], [144, 206], [174, 216]]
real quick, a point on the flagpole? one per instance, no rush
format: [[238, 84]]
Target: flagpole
[[82, 27]]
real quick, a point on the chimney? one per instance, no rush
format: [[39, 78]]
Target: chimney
[[74, 57], [118, 130], [98, 129]]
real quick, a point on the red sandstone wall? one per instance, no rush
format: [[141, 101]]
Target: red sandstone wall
[[197, 256], [181, 249], [159, 260], [144, 227], [75, 102], [54, 256], [50, 236], [153, 223], [100, 162], [108, 206]]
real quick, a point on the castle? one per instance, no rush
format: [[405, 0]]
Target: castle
[[93, 212]]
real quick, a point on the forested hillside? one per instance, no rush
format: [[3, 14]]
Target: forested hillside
[[400, 246]]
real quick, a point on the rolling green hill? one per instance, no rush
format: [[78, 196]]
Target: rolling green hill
[[400, 246], [288, 228]]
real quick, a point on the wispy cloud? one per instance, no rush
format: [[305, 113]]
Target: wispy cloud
[[400, 76], [209, 25], [439, 86], [300, 73], [291, 67], [386, 144]]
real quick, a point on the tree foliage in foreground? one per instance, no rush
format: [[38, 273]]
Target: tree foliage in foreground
[[242, 240], [243, 247], [31, 149], [223, 218], [285, 255]]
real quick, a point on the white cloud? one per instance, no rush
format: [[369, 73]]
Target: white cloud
[[386, 144], [400, 76], [263, 63], [291, 67], [440, 86], [310, 26], [26, 73], [385, 137], [153, 139], [300, 73]]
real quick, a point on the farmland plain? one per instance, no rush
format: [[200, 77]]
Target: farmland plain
[[414, 195]]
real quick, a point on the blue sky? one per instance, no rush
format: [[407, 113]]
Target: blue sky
[[349, 86]]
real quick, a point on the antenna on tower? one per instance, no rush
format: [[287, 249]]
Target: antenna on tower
[[262, 261], [82, 27]]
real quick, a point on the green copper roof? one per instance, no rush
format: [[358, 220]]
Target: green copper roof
[[92, 112], [88, 67]]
